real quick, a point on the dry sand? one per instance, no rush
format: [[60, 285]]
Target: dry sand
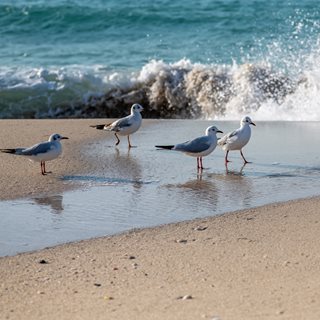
[[262, 263]]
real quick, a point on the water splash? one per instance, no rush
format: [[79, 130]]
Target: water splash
[[167, 90]]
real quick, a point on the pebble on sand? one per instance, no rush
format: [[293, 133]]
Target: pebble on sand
[[186, 297], [42, 261]]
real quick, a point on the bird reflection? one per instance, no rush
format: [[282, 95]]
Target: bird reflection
[[114, 169], [54, 202], [199, 189], [235, 172], [127, 166], [236, 183], [199, 176]]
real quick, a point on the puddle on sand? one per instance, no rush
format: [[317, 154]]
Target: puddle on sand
[[147, 187]]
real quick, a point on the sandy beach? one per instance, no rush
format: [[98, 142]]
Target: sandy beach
[[261, 263], [21, 178], [256, 264]]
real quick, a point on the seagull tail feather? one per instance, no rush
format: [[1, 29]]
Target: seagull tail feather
[[8, 150], [166, 147]]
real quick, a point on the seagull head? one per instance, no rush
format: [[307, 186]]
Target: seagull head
[[246, 121], [212, 130], [136, 108], [56, 137]]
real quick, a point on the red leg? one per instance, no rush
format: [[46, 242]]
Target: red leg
[[129, 144], [226, 157], [199, 163]]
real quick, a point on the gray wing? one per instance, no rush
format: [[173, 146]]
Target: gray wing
[[228, 137], [121, 123], [194, 146], [232, 134], [42, 147]]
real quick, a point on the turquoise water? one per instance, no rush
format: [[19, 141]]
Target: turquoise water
[[204, 59], [126, 35]]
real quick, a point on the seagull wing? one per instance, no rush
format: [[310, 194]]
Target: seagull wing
[[120, 124], [229, 138], [42, 147], [194, 146]]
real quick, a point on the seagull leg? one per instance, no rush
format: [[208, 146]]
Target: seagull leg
[[129, 144], [118, 140], [43, 171], [245, 161], [44, 168], [226, 165], [201, 166], [226, 157]]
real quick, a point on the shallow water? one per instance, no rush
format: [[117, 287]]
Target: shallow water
[[146, 187]]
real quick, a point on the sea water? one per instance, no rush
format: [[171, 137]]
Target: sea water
[[180, 59], [144, 187]]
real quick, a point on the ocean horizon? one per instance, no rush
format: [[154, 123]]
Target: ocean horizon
[[196, 59]]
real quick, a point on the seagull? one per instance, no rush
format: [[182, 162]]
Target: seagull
[[41, 152], [199, 147], [237, 139], [124, 126]]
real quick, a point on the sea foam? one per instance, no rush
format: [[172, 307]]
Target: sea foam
[[182, 89]]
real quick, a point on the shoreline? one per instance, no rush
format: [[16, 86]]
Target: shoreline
[[261, 263], [257, 263]]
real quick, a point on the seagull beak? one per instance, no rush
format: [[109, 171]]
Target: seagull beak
[[219, 131], [253, 124], [64, 138]]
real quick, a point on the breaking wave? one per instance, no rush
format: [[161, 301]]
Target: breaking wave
[[166, 90]]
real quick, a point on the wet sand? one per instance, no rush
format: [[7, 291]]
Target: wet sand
[[261, 263], [22, 178]]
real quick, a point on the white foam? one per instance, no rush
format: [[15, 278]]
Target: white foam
[[179, 89]]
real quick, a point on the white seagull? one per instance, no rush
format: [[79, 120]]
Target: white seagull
[[237, 139], [41, 152], [125, 126], [199, 147]]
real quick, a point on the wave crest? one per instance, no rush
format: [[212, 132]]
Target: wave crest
[[186, 90], [177, 90]]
